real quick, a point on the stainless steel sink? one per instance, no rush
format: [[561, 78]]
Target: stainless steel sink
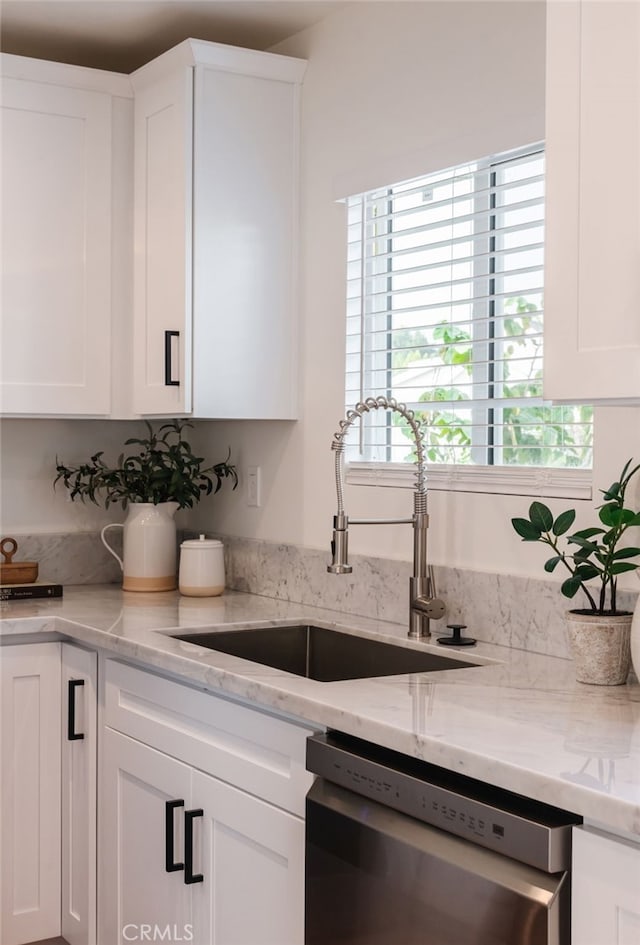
[[322, 654]]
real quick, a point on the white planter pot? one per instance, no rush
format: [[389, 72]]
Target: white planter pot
[[149, 547], [600, 647], [635, 640]]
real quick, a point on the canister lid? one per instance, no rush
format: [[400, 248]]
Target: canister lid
[[201, 542]]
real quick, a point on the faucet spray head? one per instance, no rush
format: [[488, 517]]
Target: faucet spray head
[[340, 546]]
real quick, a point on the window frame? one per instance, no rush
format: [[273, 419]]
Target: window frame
[[541, 481], [568, 482]]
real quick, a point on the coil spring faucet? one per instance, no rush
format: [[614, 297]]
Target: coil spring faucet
[[423, 603]]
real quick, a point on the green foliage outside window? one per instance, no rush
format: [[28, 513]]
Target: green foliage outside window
[[529, 435]]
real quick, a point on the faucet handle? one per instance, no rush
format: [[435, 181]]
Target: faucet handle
[[432, 581], [431, 607]]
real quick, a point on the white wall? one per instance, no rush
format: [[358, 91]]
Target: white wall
[[29, 504], [28, 450], [392, 90]]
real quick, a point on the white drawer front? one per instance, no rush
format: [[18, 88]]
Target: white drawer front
[[243, 746]]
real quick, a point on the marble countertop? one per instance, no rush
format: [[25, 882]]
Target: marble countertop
[[519, 720]]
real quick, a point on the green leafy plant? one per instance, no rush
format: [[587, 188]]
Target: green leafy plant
[[164, 468], [597, 553]]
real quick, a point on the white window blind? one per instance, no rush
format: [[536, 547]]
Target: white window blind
[[444, 313]]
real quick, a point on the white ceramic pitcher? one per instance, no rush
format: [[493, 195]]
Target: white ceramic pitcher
[[149, 547]]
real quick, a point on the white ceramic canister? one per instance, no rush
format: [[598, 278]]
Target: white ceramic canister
[[201, 571]]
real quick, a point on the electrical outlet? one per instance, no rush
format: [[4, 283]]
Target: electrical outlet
[[253, 486]]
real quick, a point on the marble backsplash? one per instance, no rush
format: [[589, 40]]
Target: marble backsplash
[[72, 557], [524, 613]]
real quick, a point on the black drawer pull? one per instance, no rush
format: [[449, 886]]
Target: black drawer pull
[[72, 735], [169, 863], [189, 875], [168, 380]]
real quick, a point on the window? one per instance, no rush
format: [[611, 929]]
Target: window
[[444, 313]]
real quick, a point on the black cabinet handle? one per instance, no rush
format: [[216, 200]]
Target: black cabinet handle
[[72, 735], [189, 875], [169, 863], [168, 380]]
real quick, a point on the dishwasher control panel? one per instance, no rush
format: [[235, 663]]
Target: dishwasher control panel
[[491, 817]]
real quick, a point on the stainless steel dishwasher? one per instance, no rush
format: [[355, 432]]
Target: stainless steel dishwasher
[[401, 852]]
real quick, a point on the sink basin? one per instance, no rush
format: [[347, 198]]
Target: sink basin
[[322, 654]]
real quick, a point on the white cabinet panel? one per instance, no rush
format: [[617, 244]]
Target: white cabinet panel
[[162, 284], [252, 864], [242, 847], [135, 887], [605, 889], [79, 792], [56, 237], [592, 238], [245, 230], [30, 792], [232, 769]]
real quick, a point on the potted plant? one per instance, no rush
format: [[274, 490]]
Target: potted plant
[[600, 633], [160, 476], [164, 469]]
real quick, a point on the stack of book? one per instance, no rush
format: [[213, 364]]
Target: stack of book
[[30, 591]]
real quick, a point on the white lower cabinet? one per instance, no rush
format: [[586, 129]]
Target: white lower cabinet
[[47, 861], [606, 889], [30, 793], [201, 831], [238, 881]]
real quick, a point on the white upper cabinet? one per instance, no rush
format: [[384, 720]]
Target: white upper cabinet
[[592, 251], [150, 248], [216, 215], [57, 268]]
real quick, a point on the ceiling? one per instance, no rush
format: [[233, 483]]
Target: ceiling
[[121, 35]]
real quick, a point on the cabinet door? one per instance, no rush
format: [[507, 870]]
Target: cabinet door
[[605, 890], [592, 232], [56, 246], [79, 743], [30, 792], [135, 888], [251, 857], [162, 261]]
